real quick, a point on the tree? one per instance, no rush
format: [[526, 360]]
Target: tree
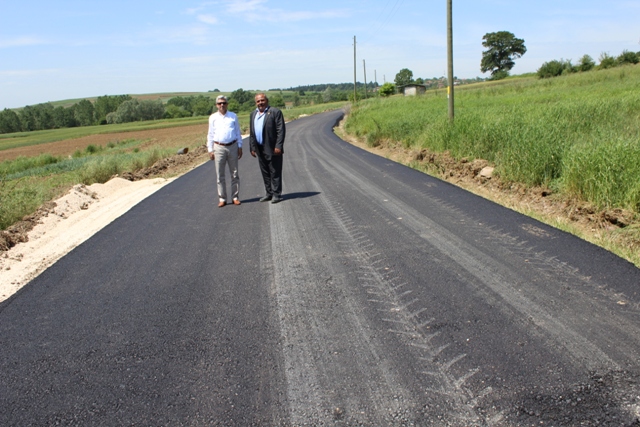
[[627, 57], [63, 117], [387, 89], [108, 104], [554, 68], [277, 101], [84, 113], [586, 63], [404, 77], [172, 111], [296, 100], [606, 61], [203, 106], [9, 121], [327, 94], [503, 49], [28, 118]]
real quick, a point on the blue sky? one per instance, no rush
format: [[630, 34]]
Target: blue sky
[[62, 49]]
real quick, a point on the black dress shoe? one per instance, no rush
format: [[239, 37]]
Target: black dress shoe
[[265, 199], [276, 199]]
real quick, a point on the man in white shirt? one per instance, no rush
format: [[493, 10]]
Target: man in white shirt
[[224, 143]]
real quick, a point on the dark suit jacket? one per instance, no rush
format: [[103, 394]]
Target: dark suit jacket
[[273, 132]]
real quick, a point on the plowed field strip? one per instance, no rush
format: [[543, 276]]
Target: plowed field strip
[[162, 138]]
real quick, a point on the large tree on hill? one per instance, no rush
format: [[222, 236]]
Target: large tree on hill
[[404, 77], [503, 49]]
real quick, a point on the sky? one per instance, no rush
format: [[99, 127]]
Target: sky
[[53, 50]]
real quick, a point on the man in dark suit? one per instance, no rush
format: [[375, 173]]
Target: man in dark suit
[[266, 140]]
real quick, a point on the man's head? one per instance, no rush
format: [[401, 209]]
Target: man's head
[[221, 103], [262, 102]]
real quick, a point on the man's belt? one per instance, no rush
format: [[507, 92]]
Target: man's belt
[[225, 144]]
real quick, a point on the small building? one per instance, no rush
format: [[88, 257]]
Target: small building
[[413, 89]]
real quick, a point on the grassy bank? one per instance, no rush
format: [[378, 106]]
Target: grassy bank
[[578, 135], [27, 183]]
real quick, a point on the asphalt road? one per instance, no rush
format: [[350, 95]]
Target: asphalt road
[[373, 295]]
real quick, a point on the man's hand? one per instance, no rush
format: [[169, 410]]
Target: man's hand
[[239, 152], [277, 151], [253, 153], [212, 156]]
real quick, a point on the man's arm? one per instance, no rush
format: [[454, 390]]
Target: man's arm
[[280, 131], [252, 135], [238, 135], [210, 138]]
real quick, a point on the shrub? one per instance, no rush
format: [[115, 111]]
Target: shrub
[[387, 89], [92, 149], [550, 69], [627, 57], [586, 63], [606, 61], [499, 75]]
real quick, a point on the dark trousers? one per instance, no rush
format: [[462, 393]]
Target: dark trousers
[[271, 173]]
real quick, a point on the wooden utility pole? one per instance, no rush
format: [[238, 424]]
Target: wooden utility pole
[[364, 65], [355, 93], [450, 58]]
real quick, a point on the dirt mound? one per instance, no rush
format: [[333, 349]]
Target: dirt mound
[[170, 166]]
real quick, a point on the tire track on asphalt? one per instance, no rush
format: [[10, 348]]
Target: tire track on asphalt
[[329, 352], [489, 271], [404, 316], [354, 379]]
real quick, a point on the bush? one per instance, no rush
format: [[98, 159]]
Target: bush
[[550, 69], [627, 57], [136, 110], [499, 75], [586, 63], [387, 89], [555, 68], [606, 61]]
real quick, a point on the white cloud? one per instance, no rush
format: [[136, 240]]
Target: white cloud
[[22, 41], [241, 6], [208, 19], [27, 73]]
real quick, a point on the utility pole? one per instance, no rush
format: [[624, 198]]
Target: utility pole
[[364, 65], [355, 93], [450, 58]]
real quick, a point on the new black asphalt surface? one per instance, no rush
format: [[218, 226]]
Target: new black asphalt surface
[[372, 295]]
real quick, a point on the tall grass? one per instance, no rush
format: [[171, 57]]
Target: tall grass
[[579, 134]]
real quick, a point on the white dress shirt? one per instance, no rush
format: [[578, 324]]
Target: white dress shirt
[[223, 129]]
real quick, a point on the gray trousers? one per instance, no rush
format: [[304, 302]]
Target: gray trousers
[[227, 155]]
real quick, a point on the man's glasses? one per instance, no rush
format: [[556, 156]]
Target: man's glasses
[[221, 103]]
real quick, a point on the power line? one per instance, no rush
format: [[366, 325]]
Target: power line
[[388, 17]]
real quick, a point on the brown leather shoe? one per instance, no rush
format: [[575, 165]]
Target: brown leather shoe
[[221, 204], [236, 201]]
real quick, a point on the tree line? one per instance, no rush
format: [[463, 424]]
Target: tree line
[[105, 110], [123, 108], [558, 67]]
